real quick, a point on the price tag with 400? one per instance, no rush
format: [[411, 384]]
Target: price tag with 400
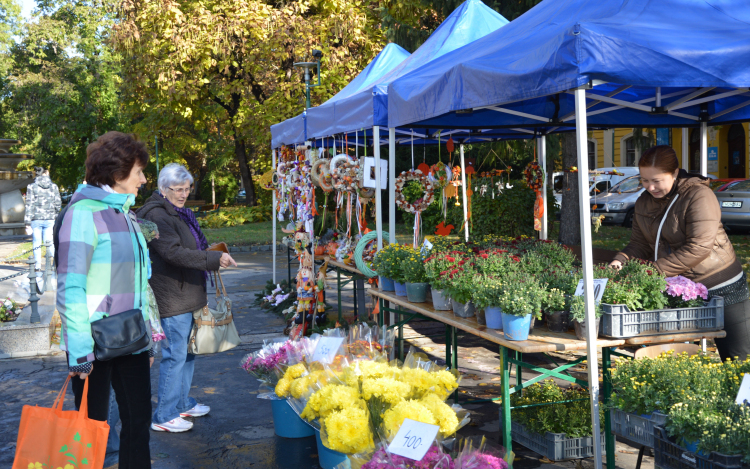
[[413, 439]]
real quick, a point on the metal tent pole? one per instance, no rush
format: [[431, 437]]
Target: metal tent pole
[[378, 195], [704, 148], [463, 194], [584, 201], [273, 218], [542, 147], [685, 149], [392, 185]]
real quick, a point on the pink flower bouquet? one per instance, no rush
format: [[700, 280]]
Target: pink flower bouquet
[[684, 293]]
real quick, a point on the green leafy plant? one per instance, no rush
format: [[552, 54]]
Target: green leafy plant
[[553, 300], [577, 305], [414, 269], [388, 262], [571, 418], [521, 295], [412, 191], [487, 291], [235, 216]]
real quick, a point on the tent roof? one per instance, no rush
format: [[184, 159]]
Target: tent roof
[[469, 22], [293, 130], [625, 49], [288, 132]]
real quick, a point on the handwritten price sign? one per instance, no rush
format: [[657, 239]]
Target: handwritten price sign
[[599, 285], [413, 439], [326, 349]]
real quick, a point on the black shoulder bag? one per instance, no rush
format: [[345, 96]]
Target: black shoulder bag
[[122, 333]]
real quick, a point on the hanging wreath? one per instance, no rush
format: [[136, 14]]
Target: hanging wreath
[[320, 169], [427, 196], [534, 176], [344, 176]]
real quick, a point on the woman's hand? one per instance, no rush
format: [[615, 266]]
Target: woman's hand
[[81, 375], [150, 362], [226, 260], [617, 265]]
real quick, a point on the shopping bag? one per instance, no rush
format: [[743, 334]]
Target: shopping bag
[[213, 329], [56, 438]]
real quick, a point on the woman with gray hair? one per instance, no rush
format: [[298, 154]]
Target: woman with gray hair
[[180, 265]]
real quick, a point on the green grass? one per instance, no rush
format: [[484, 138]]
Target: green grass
[[244, 235]]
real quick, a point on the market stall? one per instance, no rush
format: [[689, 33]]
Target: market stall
[[573, 61]]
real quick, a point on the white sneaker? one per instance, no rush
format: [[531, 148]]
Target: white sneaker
[[177, 425], [198, 411]]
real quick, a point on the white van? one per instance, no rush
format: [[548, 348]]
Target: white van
[[600, 179]]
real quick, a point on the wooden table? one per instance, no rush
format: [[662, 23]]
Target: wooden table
[[356, 278], [539, 341]]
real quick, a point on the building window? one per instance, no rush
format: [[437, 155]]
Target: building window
[[631, 155], [592, 154]]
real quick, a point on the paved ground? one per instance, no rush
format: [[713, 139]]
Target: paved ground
[[238, 433]]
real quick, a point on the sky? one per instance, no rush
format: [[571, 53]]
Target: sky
[[26, 7]]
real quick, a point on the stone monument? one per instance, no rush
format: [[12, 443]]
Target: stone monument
[[11, 182]]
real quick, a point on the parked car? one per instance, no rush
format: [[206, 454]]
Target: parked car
[[735, 205], [720, 185], [241, 197], [600, 180], [617, 205]]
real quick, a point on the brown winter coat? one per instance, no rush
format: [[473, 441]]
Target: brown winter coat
[[177, 264], [693, 241]]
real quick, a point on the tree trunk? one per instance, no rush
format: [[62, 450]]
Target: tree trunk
[[240, 151], [570, 212]]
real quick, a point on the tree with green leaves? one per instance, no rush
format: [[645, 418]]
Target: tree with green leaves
[[232, 63], [60, 92]]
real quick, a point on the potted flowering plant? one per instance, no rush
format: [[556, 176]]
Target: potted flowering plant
[[521, 297], [553, 304], [487, 290], [386, 264], [461, 288], [416, 277], [436, 267], [684, 293], [578, 315]]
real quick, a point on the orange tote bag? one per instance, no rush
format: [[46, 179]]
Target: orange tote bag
[[56, 438]]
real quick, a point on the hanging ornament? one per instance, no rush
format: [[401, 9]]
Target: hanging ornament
[[535, 180], [449, 145]]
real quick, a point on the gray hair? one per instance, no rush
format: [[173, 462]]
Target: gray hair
[[173, 174]]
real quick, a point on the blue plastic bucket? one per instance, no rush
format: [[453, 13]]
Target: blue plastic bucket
[[286, 422], [400, 288], [386, 284], [493, 316], [328, 458], [516, 327]]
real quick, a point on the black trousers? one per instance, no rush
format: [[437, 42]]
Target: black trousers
[[129, 376], [737, 326]]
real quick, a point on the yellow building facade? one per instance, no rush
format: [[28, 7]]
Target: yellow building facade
[[728, 148]]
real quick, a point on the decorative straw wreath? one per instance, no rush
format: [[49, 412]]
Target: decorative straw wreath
[[319, 170], [423, 202], [344, 176], [534, 176]]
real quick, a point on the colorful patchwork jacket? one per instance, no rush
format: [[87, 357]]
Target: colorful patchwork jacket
[[102, 268]]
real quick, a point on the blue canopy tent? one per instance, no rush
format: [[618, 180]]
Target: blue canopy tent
[[640, 63], [367, 109], [289, 132]]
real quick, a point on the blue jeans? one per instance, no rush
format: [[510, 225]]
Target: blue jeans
[[113, 441], [41, 232], [176, 369]]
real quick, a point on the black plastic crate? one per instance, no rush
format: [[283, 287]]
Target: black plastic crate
[[668, 455]]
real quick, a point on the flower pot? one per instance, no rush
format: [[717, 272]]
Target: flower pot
[[581, 329], [286, 422], [494, 317], [386, 284], [416, 292], [440, 302], [481, 320], [328, 458], [463, 310], [558, 321], [400, 288], [516, 327]]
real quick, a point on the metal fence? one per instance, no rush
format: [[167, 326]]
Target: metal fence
[[34, 289]]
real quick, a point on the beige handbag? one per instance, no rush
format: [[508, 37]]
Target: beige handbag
[[213, 329]]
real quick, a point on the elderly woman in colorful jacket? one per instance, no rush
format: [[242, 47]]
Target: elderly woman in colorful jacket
[[102, 272]]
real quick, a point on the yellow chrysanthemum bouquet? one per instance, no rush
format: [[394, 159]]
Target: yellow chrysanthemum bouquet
[[367, 401]]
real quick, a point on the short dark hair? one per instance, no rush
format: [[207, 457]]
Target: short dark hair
[[112, 156], [662, 157]]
